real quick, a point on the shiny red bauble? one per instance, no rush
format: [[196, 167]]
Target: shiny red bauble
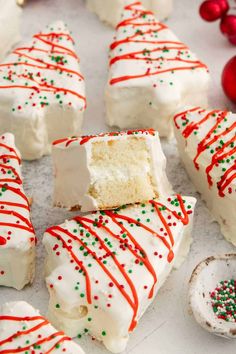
[[210, 10], [229, 79], [224, 5], [228, 27]]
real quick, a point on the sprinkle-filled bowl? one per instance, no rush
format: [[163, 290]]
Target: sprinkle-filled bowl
[[212, 295]]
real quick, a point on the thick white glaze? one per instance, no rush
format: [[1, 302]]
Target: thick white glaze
[[104, 269], [152, 74], [23, 329], [42, 95], [206, 142], [17, 238], [110, 11], [10, 17]]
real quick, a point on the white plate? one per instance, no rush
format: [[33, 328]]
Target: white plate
[[206, 276]]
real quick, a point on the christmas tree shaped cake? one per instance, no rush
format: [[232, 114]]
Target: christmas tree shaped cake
[[42, 94], [152, 74]]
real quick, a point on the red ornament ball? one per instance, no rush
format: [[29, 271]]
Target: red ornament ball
[[224, 5], [210, 10], [229, 79], [228, 27]]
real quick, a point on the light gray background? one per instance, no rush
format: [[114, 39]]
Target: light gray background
[[167, 327]]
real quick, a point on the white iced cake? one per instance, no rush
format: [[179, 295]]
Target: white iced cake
[[10, 17], [207, 145], [108, 170], [152, 74], [17, 238], [42, 94], [24, 330], [110, 11], [104, 269]]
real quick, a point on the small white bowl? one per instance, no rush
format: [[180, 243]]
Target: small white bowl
[[205, 277]]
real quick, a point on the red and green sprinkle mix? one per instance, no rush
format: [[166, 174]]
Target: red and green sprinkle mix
[[223, 300]]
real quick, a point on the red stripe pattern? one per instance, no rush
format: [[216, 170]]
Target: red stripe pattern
[[16, 230], [44, 72], [141, 44], [213, 136], [112, 249], [31, 334], [84, 139]]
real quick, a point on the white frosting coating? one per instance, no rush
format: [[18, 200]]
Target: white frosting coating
[[110, 11], [42, 95], [10, 17], [17, 238], [206, 141], [24, 330], [75, 172], [104, 269], [152, 74]]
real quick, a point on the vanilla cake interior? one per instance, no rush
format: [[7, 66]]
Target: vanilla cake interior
[[125, 168], [109, 171]]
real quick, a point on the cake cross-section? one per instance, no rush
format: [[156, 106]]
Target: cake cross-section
[[104, 269], [42, 94], [110, 11], [24, 330], [152, 74], [108, 170], [17, 237], [207, 145]]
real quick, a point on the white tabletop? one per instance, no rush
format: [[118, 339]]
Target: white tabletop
[[167, 327]]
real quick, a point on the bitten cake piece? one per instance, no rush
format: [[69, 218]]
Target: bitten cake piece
[[104, 269], [109, 170], [17, 238], [206, 141], [9, 25], [111, 11], [152, 74], [24, 330], [42, 94]]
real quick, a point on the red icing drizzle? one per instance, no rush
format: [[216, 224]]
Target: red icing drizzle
[[53, 233], [183, 114], [3, 241], [131, 245], [3, 169], [139, 36], [84, 139], [225, 150], [11, 188], [13, 154], [42, 322], [36, 83], [143, 258]]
